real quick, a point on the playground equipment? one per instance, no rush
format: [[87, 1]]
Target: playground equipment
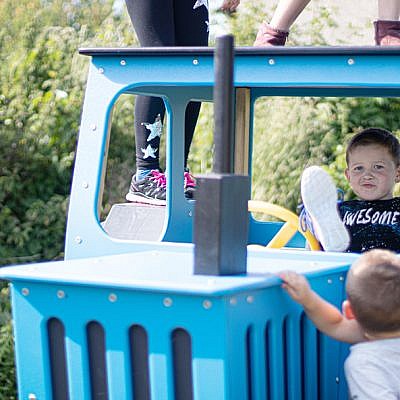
[[122, 319], [288, 229]]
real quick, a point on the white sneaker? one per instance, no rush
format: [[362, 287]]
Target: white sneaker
[[319, 196]]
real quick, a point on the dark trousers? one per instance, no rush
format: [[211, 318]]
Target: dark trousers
[[160, 23]]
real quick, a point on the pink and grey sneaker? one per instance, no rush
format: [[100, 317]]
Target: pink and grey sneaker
[[189, 185], [149, 190]]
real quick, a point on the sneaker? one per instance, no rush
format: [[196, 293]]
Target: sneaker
[[319, 196], [305, 222], [189, 185], [150, 190]]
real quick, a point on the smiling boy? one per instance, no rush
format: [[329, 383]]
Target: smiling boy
[[371, 221]]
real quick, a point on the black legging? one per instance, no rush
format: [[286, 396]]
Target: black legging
[[165, 23]]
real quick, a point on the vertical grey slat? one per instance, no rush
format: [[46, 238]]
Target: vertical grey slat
[[97, 361], [58, 365], [139, 349], [182, 361]]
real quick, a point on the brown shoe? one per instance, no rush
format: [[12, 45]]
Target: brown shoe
[[268, 36], [387, 33]]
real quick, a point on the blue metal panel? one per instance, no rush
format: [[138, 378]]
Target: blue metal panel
[[172, 270], [76, 345], [31, 347], [117, 358], [248, 338]]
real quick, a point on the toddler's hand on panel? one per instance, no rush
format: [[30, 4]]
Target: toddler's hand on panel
[[296, 286]]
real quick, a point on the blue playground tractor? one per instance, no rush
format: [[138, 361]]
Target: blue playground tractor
[[183, 310]]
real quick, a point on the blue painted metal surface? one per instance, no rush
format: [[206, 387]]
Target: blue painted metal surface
[[249, 340]]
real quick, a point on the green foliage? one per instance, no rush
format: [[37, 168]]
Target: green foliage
[[42, 82], [121, 153], [200, 156], [40, 115], [7, 369]]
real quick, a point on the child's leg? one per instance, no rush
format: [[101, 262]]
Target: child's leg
[[191, 29], [149, 117], [276, 32], [387, 27], [388, 10], [319, 196], [286, 13], [154, 27]]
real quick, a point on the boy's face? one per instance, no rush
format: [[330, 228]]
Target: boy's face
[[372, 172]]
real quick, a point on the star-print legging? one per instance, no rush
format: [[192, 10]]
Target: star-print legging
[[157, 24]]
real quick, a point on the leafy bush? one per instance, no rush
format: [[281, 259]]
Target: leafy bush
[[7, 368], [40, 114], [42, 81], [42, 84]]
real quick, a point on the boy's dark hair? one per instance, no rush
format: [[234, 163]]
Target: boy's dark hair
[[373, 290], [375, 136]]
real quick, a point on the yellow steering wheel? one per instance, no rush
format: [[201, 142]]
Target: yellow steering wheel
[[288, 229]]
